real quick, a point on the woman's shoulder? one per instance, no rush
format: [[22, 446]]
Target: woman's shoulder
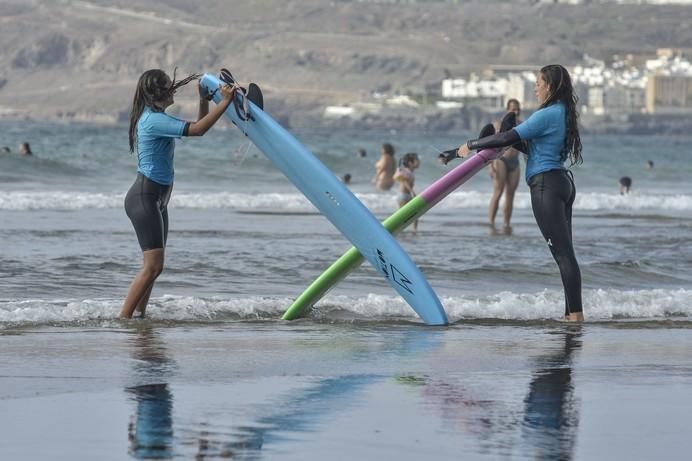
[[545, 114], [403, 172], [555, 108], [154, 121]]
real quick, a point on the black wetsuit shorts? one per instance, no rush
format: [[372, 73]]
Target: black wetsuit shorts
[[146, 205], [552, 197]]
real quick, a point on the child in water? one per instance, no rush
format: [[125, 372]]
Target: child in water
[[404, 175]]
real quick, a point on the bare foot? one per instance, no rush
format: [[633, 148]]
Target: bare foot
[[575, 317]]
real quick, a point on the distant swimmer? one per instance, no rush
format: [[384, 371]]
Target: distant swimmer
[[625, 184], [362, 153], [553, 135], [346, 179], [385, 168], [5, 150], [152, 135], [649, 164], [25, 149]]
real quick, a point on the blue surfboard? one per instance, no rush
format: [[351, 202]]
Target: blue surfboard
[[336, 202]]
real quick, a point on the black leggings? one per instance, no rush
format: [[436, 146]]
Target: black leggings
[[552, 196], [146, 204]]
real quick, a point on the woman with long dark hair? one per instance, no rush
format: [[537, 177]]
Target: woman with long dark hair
[[549, 137], [152, 133]]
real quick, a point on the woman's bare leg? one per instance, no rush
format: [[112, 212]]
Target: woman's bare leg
[[142, 304], [575, 317], [510, 189], [140, 289], [499, 181]]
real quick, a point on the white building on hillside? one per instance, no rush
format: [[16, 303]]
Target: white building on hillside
[[489, 94]]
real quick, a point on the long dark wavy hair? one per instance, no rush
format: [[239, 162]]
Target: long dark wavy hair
[[561, 90], [153, 86]]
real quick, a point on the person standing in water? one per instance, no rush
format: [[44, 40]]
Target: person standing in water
[[404, 174], [550, 137], [385, 168], [152, 133], [505, 172]]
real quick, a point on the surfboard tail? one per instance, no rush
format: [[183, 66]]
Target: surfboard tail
[[351, 260]]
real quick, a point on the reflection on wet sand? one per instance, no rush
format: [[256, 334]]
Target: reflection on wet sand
[[151, 430], [544, 427], [302, 411], [298, 413], [551, 416], [538, 420]]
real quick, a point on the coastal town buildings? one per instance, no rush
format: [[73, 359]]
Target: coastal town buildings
[[632, 91], [662, 84]]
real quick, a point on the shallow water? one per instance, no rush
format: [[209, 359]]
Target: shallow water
[[244, 243]]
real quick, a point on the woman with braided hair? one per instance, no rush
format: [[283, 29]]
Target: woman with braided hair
[[152, 133], [549, 137]]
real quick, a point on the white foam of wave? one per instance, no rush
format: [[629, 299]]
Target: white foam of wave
[[591, 201], [270, 201], [65, 200], [58, 200], [599, 305], [168, 307]]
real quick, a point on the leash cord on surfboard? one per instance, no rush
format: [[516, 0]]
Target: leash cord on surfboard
[[242, 107], [243, 112]]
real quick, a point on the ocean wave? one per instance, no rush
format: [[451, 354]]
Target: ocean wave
[[296, 202], [600, 305]]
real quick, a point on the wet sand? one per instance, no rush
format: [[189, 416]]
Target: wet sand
[[323, 391]]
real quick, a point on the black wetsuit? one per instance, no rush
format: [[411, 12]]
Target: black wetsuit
[[552, 196], [146, 204]]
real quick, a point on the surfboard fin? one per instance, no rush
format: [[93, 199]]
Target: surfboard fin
[[254, 94]]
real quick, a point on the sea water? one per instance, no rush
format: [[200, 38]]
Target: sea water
[[214, 371], [243, 241]]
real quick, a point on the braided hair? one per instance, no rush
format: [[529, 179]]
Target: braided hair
[[558, 80], [153, 87]]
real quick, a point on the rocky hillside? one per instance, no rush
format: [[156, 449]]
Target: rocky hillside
[[80, 59]]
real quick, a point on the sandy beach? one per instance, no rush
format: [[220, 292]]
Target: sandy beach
[[270, 390]]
